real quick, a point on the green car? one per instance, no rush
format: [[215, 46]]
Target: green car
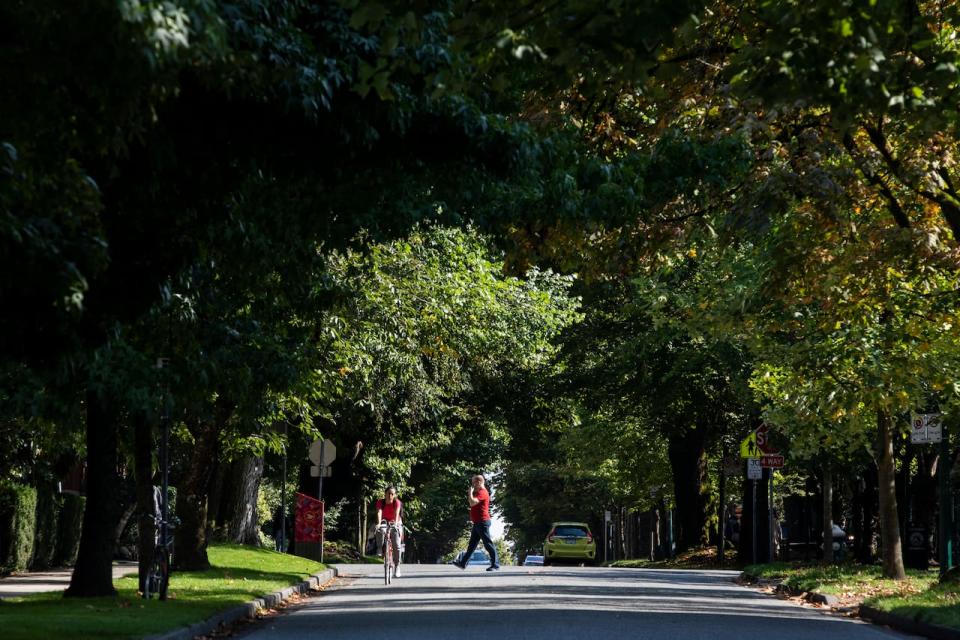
[[570, 541]]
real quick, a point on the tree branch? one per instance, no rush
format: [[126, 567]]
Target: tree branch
[[899, 215]]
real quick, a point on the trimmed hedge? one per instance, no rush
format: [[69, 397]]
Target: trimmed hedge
[[68, 530], [18, 505], [49, 504]]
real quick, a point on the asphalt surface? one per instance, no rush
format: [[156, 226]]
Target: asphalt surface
[[433, 602]]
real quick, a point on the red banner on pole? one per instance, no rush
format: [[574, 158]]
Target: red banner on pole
[[308, 526]]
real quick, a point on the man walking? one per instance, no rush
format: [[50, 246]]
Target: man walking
[[479, 499]]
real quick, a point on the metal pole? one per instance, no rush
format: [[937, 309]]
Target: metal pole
[[722, 508], [770, 518], [320, 488], [946, 504], [753, 521], [323, 514], [670, 533], [283, 495], [606, 539], [164, 463], [164, 477]]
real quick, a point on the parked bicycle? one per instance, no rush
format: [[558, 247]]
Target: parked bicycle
[[157, 581], [392, 554]]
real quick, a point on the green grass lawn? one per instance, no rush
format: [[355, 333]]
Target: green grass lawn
[[939, 604], [240, 574], [919, 597], [699, 558], [840, 579]]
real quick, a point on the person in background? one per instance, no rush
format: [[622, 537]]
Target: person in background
[[390, 509], [479, 500]]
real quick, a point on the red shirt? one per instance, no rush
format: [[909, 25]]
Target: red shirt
[[390, 509], [480, 511]]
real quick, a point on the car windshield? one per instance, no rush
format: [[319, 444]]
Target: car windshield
[[567, 531]]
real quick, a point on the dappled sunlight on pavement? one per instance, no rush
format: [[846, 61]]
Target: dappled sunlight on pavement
[[441, 601]]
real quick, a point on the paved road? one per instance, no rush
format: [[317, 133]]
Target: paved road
[[53, 580], [434, 602]]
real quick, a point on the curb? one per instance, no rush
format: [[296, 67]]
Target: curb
[[246, 610], [821, 598], [936, 631], [810, 596]]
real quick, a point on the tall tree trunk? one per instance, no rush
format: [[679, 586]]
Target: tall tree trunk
[[128, 510], [688, 463], [93, 573], [143, 475], [191, 533], [869, 509], [238, 506], [827, 514], [903, 480], [856, 513], [889, 521]]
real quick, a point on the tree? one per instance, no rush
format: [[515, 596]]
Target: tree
[[426, 341]]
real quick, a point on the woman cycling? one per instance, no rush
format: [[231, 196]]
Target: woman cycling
[[390, 509]]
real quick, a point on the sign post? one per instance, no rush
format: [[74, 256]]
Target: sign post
[[928, 428], [322, 453], [945, 539], [760, 455], [606, 534]]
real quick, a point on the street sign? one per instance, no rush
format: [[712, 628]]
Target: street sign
[[606, 516], [329, 453], [754, 470], [315, 471], [772, 461], [925, 428], [749, 448], [763, 439]]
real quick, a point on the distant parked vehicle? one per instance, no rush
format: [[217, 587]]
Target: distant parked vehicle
[[533, 561], [477, 558], [569, 541]]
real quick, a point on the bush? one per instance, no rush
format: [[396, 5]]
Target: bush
[[49, 504], [19, 507], [68, 531]]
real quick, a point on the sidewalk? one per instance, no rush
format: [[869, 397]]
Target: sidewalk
[[22, 584]]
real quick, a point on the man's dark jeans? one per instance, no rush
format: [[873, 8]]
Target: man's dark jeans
[[481, 531]]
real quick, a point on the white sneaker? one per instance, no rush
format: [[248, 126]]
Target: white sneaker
[[396, 571]]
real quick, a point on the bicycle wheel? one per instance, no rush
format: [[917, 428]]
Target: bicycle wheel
[[158, 577], [387, 561], [164, 574], [151, 584]]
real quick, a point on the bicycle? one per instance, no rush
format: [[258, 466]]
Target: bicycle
[[391, 568], [157, 581]]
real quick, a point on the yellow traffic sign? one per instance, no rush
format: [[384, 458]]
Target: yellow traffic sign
[[749, 448]]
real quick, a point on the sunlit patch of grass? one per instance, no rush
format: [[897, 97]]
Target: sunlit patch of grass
[[841, 579], [919, 597], [699, 558], [939, 604], [239, 574]]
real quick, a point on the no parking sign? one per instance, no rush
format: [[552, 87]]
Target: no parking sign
[[925, 428]]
